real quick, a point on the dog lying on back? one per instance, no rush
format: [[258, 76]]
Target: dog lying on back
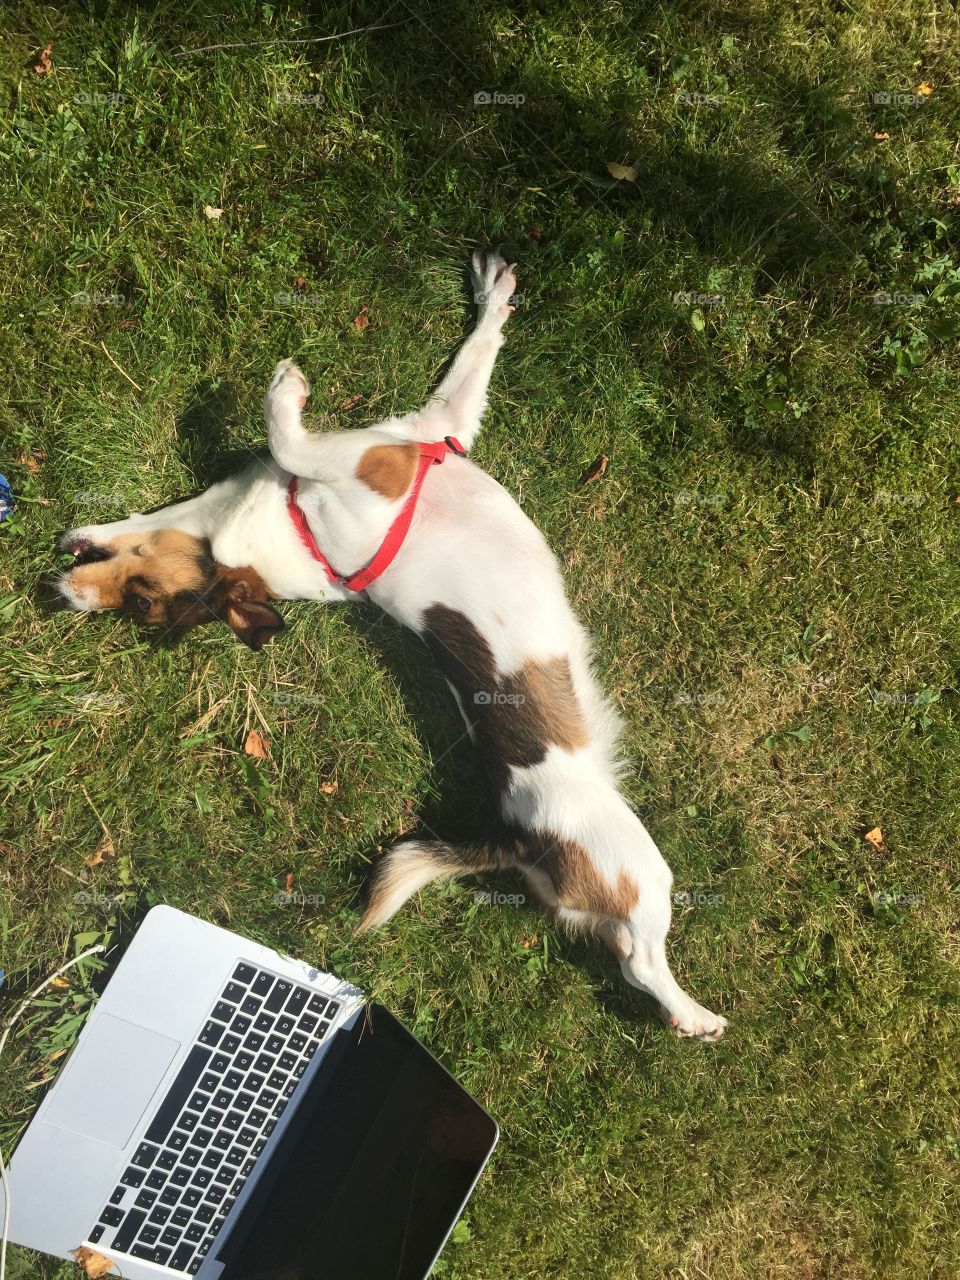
[[448, 553]]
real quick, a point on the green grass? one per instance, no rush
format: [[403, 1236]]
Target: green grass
[[769, 567]]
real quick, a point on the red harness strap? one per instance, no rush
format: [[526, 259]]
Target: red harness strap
[[359, 581]]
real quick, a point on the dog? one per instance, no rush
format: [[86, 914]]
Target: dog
[[397, 511]]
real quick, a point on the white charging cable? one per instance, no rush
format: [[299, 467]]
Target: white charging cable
[[3, 1040]]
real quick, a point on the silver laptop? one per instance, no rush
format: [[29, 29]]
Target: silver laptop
[[233, 1114]]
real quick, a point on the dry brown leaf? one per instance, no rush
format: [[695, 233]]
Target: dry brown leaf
[[596, 470], [351, 402], [94, 1264], [32, 459], [329, 788], [881, 137], [298, 282], [529, 943], [875, 838], [622, 172], [44, 64], [362, 320], [212, 212], [257, 745], [289, 888], [60, 984], [925, 88], [101, 853]]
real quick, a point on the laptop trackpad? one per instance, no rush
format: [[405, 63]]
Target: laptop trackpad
[[109, 1081]]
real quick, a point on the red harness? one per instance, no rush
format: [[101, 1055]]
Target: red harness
[[359, 581]]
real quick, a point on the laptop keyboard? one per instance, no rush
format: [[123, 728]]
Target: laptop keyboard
[[214, 1122]]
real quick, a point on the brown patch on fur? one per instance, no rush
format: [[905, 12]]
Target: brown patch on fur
[[516, 717], [576, 881], [388, 469]]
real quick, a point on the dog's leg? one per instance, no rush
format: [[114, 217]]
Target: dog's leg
[[331, 456], [458, 404]]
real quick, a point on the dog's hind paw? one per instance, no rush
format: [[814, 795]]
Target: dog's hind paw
[[494, 284], [288, 380], [696, 1023]]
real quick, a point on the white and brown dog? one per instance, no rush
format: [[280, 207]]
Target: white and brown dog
[[448, 553]]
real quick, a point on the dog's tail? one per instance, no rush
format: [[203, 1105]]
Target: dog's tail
[[414, 863]]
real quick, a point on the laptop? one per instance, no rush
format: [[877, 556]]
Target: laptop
[[233, 1114]]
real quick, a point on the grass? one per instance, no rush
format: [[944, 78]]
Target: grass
[[768, 566]]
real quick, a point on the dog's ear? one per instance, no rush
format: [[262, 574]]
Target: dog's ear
[[242, 602]]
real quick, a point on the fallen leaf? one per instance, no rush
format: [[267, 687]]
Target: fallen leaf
[[881, 137], [298, 282], [529, 943], [44, 65], [329, 788], [622, 172], [213, 214], [925, 88], [351, 402], [60, 984], [94, 1264], [875, 838], [362, 320], [596, 470], [32, 460], [256, 745], [101, 853], [289, 888]]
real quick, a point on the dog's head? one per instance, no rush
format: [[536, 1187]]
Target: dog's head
[[167, 578]]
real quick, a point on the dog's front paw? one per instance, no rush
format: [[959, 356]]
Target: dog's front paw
[[288, 381], [494, 285], [694, 1022]]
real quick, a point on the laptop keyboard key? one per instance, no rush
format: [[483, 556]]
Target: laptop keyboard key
[[213, 1118], [206, 1213], [133, 1177], [222, 1098], [201, 1178], [317, 1004], [277, 1080], [146, 1200], [180, 1217], [208, 1082], [112, 1216], [191, 1157], [171, 1236], [297, 1001], [222, 1011], [156, 1180], [144, 1155], [262, 985], [244, 973], [212, 1159], [240, 1025], [332, 1009], [263, 1023], [223, 1140], [284, 1025], [159, 1215], [297, 1042], [95, 1233], [244, 1101], [195, 1231], [234, 992], [166, 1159], [233, 1121], [230, 1043], [181, 1257], [263, 1064], [211, 1033], [277, 996], [177, 1140], [219, 1063], [169, 1195], [253, 1041], [201, 1138], [180, 1176], [251, 1006], [118, 1195], [191, 1196], [307, 1023], [233, 1080], [274, 1044]]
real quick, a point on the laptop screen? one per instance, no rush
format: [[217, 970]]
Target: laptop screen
[[373, 1170]]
